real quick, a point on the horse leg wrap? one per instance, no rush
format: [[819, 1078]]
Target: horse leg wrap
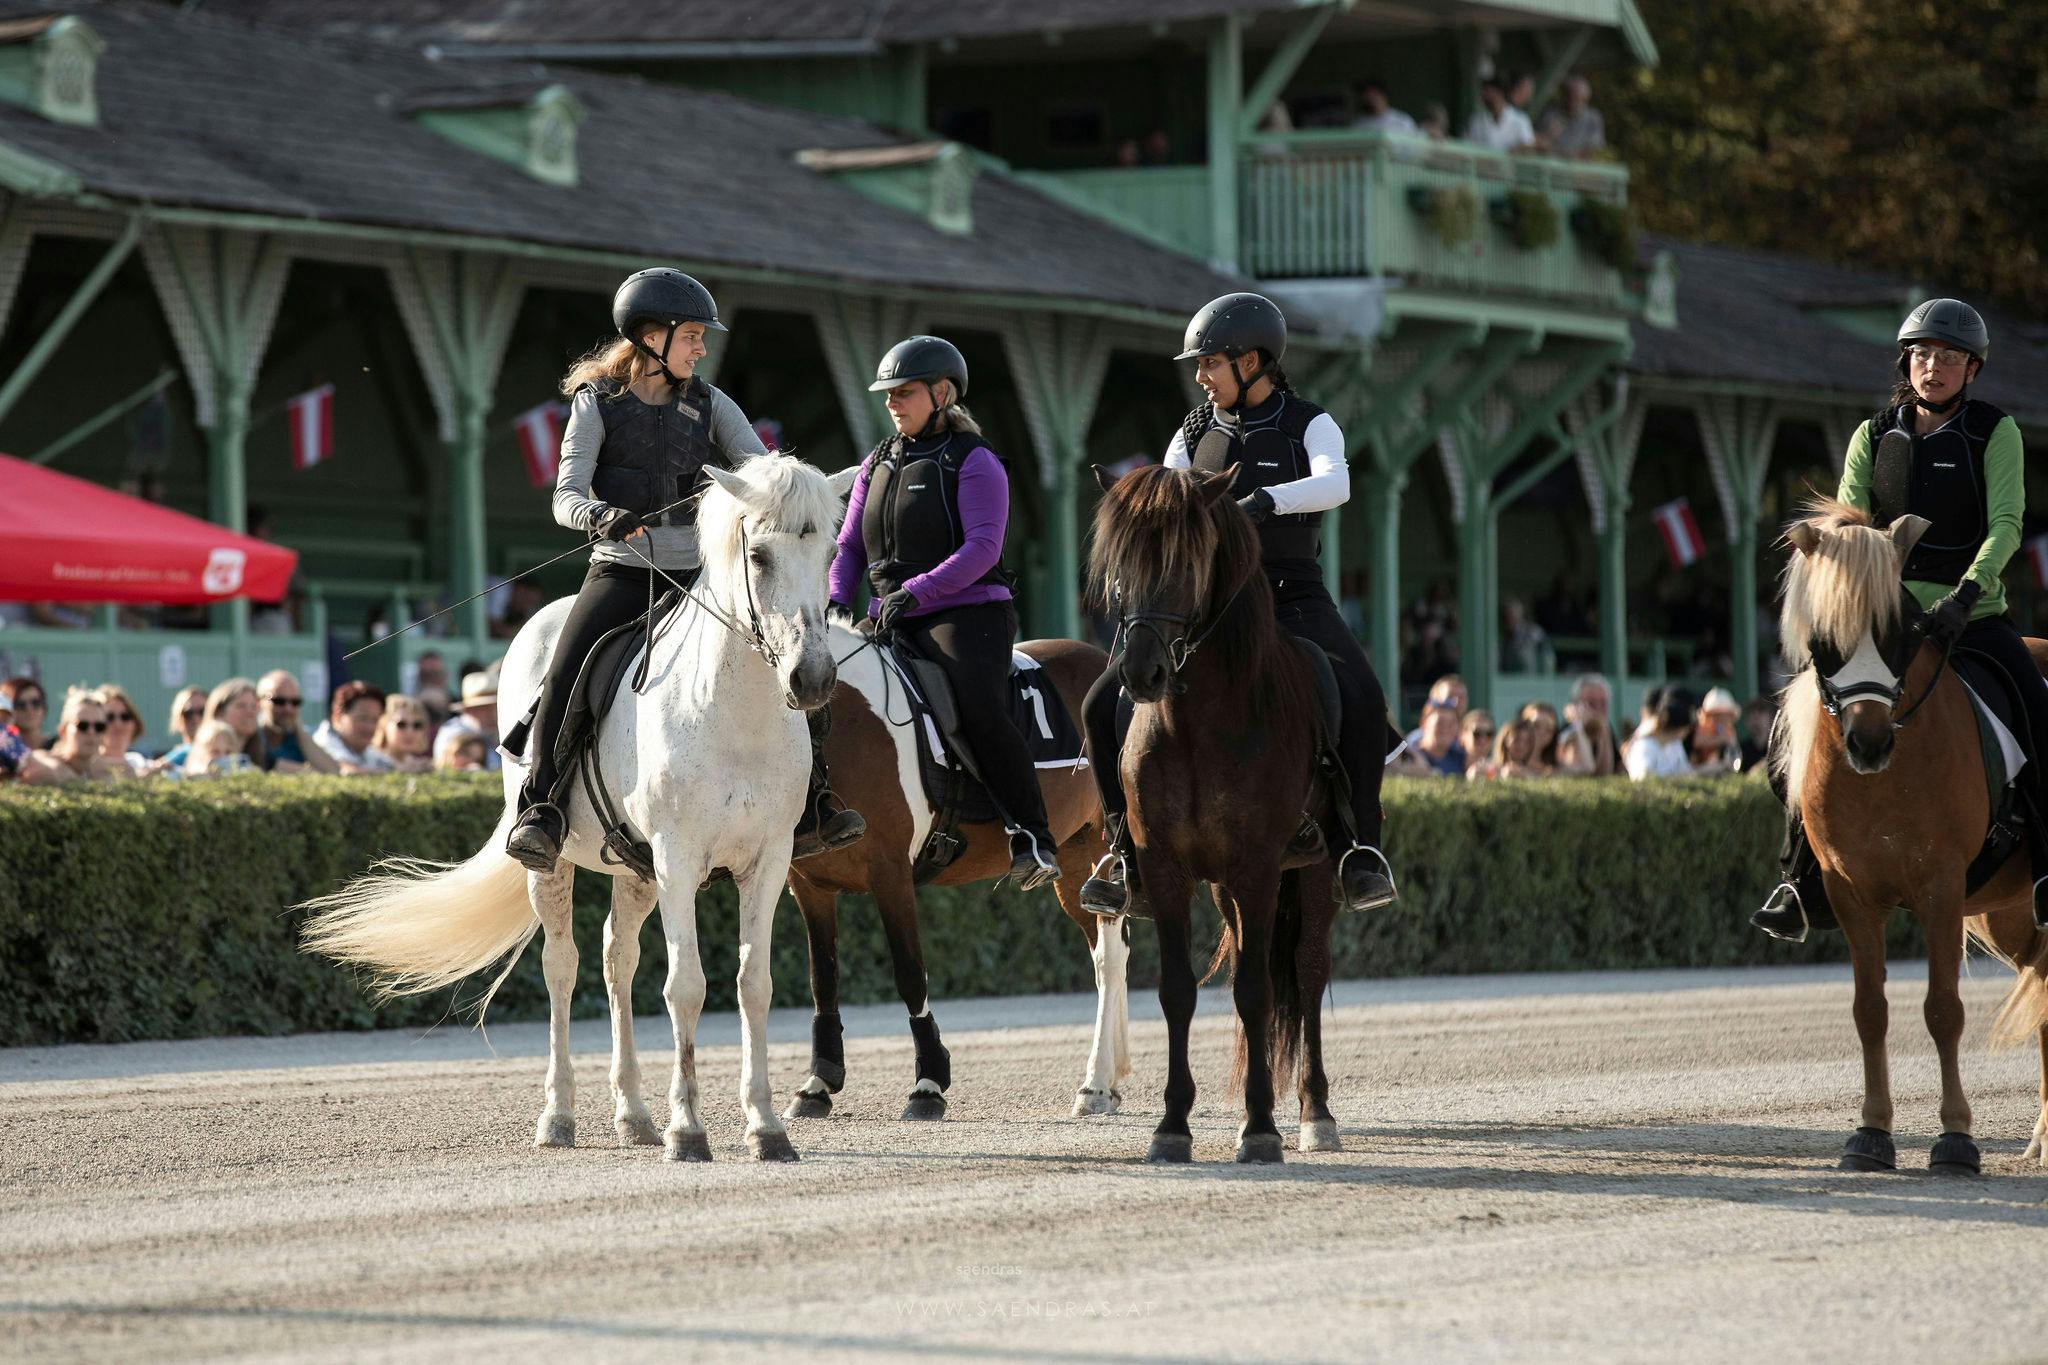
[[934, 1063], [828, 1050]]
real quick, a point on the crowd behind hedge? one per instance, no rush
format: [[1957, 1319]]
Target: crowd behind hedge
[[154, 910]]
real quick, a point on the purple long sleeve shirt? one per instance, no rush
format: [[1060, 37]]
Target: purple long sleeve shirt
[[984, 513]]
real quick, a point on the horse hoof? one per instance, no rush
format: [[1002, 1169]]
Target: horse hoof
[[808, 1106], [692, 1146], [1092, 1102], [1869, 1149], [1954, 1154], [925, 1106], [555, 1131], [1320, 1135], [1171, 1148], [637, 1131], [770, 1146], [1262, 1149]]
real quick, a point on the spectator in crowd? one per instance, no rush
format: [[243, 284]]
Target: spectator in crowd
[[233, 702], [282, 709], [1158, 148], [478, 715], [1477, 735], [431, 687], [1375, 113], [1660, 751], [401, 734], [1514, 754], [465, 753], [1128, 155], [1496, 124], [1436, 122], [1585, 748], [1543, 726], [31, 710], [1646, 721], [1447, 693], [522, 600], [78, 754], [351, 725], [1435, 749], [1573, 128], [1759, 714], [13, 753], [214, 752], [1524, 644], [1521, 92], [124, 727], [188, 711], [1714, 745]]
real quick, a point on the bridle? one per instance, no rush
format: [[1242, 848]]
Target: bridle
[[1192, 631], [750, 634], [1834, 700]]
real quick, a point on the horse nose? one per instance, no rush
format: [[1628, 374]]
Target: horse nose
[[1868, 740], [1145, 682], [811, 683]]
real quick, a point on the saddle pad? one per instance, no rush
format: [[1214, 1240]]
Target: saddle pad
[[1992, 700], [1036, 708]]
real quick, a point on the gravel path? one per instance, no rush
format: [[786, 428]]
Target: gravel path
[[1599, 1167]]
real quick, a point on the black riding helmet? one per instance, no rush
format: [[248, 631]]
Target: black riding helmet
[[922, 357], [1235, 325], [667, 297], [1953, 323]]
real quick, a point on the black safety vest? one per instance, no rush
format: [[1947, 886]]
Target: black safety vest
[[1943, 481], [653, 453], [911, 523], [1268, 448]]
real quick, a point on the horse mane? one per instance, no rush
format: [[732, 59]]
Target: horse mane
[[788, 495], [1154, 540], [1837, 590]]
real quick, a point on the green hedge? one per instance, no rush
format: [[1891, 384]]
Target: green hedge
[[159, 911]]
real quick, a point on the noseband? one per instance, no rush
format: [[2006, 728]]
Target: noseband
[[1834, 701], [1181, 645]]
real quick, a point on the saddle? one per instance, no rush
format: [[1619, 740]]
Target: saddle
[[1323, 670], [946, 763], [1995, 702], [618, 651]]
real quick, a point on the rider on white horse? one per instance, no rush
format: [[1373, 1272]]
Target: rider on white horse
[[642, 427]]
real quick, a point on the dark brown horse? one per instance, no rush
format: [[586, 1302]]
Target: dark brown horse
[[1892, 792], [1219, 762], [872, 754]]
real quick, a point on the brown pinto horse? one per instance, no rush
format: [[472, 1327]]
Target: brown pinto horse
[[872, 754], [1894, 801], [1220, 759]]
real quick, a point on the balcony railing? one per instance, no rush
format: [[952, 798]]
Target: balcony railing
[[1337, 203]]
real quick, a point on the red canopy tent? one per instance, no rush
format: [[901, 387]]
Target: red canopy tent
[[68, 540]]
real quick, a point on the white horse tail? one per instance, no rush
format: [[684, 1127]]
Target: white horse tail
[[420, 925], [2025, 1010]]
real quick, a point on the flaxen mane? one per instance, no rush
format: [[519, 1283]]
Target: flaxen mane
[[1835, 592]]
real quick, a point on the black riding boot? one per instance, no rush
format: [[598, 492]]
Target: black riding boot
[[1800, 901], [825, 824], [1112, 888], [535, 842], [1032, 861]]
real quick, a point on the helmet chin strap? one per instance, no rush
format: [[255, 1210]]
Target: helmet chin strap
[[1244, 387], [661, 358], [930, 420], [1957, 397]]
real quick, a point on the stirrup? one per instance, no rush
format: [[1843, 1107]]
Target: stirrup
[[1376, 902], [1038, 868], [1107, 892], [1774, 916]]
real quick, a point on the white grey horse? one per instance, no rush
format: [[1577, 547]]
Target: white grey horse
[[710, 760]]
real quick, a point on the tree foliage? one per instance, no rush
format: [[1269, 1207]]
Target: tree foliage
[[1910, 135]]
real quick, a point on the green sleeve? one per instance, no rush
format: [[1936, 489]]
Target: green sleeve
[[1855, 488], [2005, 503]]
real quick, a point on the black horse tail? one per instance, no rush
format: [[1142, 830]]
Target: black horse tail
[[1285, 1019]]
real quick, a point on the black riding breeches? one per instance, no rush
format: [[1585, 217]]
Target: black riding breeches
[[1304, 608], [1999, 638], [972, 645], [612, 594]]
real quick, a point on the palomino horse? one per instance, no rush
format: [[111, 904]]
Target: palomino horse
[[710, 762], [873, 757], [1220, 759], [1894, 801]]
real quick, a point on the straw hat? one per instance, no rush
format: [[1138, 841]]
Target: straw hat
[[478, 689]]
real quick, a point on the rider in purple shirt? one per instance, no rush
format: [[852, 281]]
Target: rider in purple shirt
[[925, 522]]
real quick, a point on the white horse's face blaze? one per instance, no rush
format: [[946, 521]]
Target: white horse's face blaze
[[786, 571]]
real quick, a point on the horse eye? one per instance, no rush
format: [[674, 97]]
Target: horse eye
[[761, 558]]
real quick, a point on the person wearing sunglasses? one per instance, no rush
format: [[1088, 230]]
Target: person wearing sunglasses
[[78, 754], [281, 704], [188, 711], [31, 710], [1935, 452], [402, 734], [124, 727]]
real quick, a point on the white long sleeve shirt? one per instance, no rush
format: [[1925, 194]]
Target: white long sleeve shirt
[[1328, 484]]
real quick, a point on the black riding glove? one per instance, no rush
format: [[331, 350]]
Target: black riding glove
[[616, 523], [1257, 504], [893, 606], [1944, 624]]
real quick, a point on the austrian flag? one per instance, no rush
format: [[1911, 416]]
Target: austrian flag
[[1682, 539], [540, 440], [312, 420]]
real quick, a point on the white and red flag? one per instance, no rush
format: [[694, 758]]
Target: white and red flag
[[2037, 555], [311, 415], [540, 440], [1682, 538]]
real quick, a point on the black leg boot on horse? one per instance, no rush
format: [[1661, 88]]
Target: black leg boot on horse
[[826, 824]]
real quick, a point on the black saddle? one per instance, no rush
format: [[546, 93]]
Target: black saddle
[[1998, 691], [946, 762], [1324, 670]]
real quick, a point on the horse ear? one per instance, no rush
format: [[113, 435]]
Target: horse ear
[[1103, 478], [1804, 535], [731, 483], [1906, 533], [1214, 486], [842, 482]]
